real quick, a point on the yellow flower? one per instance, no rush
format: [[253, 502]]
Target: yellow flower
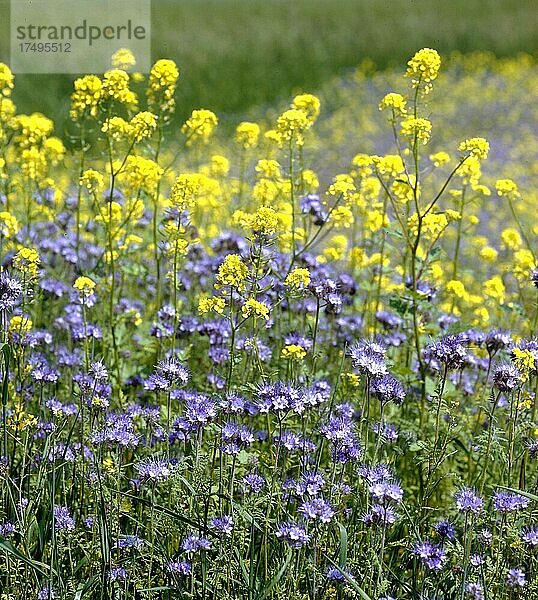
[[424, 68], [494, 288], [9, 226], [123, 59], [310, 104], [524, 361], [232, 272], [20, 324], [200, 125], [140, 173], [162, 85], [6, 80], [93, 181], [511, 238], [477, 147], [27, 261], [84, 285], [142, 125], [457, 289], [247, 134], [293, 352], [269, 168], [489, 254], [297, 278], [215, 303], [440, 158], [253, 307], [508, 188], [85, 99], [390, 164], [115, 85], [220, 165], [291, 125], [416, 128], [394, 101]]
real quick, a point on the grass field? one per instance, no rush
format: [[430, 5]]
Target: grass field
[[234, 54]]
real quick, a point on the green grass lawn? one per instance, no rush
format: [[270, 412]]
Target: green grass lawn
[[234, 54]]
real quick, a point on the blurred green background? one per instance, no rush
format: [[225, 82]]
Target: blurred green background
[[234, 54]]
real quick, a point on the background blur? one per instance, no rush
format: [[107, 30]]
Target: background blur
[[235, 54]]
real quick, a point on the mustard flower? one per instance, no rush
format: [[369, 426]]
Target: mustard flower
[[232, 272], [291, 125], [423, 68], [394, 101], [477, 147], [440, 158], [297, 278], [213, 304], [142, 125], [508, 188], [247, 134], [27, 261], [293, 352], [9, 226], [123, 59], [255, 308], [92, 180], [310, 104], [416, 127], [115, 84], [84, 286], [200, 125], [86, 97], [162, 85], [6, 80]]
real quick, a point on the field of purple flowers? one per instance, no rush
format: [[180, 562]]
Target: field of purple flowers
[[230, 373]]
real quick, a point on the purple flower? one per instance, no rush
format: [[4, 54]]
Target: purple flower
[[446, 530], [173, 371], [63, 519], [530, 536], [387, 389], [317, 509], [117, 574], [431, 555], [193, 543], [368, 357], [382, 515], [292, 533], [496, 340], [45, 593], [385, 492], [130, 541], [506, 377], [468, 501], [154, 469], [515, 578], [253, 482], [448, 351], [506, 502], [474, 591], [7, 529], [179, 567], [10, 292], [223, 524], [338, 575]]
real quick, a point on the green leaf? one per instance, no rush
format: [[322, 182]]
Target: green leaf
[[342, 553], [37, 566], [269, 588]]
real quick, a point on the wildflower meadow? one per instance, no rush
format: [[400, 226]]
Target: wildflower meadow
[[292, 359]]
